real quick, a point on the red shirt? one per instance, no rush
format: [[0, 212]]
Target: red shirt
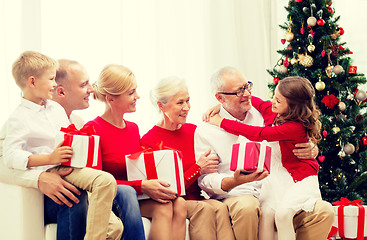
[[182, 140], [288, 134], [115, 143]]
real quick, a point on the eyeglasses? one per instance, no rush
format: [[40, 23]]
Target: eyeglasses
[[240, 91]]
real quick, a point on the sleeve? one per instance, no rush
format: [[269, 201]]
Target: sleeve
[[135, 184], [24, 178], [264, 107], [287, 131], [212, 182], [15, 134]]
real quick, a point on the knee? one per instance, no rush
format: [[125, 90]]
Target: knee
[[126, 192], [179, 208], [163, 211], [325, 210]]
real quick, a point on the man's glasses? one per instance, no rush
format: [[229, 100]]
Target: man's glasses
[[240, 91]]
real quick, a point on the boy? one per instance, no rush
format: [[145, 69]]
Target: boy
[[30, 137]]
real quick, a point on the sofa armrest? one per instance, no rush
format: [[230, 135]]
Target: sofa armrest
[[21, 211]]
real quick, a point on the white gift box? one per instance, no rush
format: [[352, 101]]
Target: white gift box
[[350, 221], [82, 154], [166, 165]]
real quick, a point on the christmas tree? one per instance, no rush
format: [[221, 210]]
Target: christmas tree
[[313, 49]]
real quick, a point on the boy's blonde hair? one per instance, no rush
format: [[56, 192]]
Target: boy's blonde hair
[[31, 63], [114, 80]]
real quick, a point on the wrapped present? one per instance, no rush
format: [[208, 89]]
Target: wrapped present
[[163, 164], [350, 219], [251, 156], [85, 145], [352, 69]]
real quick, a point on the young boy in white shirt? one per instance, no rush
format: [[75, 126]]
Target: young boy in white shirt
[[30, 139]]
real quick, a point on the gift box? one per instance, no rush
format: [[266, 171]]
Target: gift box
[[350, 219], [165, 165], [251, 156], [85, 145]]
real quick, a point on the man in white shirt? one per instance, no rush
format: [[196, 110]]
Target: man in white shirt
[[240, 192]]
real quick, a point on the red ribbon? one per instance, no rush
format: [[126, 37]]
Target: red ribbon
[[361, 212], [88, 130], [149, 163]]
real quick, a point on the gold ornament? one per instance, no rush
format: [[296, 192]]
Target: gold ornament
[[335, 129], [294, 61], [311, 21], [305, 60], [283, 69], [349, 148], [311, 48], [289, 36], [320, 85], [361, 95], [280, 62], [338, 69], [328, 70], [342, 106]]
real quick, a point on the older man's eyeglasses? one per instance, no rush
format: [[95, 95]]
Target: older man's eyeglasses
[[240, 91]]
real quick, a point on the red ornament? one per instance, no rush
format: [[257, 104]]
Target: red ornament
[[289, 47], [320, 22], [302, 31], [321, 158], [275, 80], [330, 101], [282, 41], [364, 140], [324, 133], [286, 62], [352, 69], [323, 53], [330, 9], [341, 30], [298, 0], [311, 31]]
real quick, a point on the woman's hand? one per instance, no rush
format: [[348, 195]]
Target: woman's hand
[[211, 112], [208, 164], [157, 190]]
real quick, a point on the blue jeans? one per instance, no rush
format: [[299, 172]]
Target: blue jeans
[[71, 221], [126, 207]]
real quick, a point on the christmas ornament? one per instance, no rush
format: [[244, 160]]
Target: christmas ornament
[[311, 48], [305, 60], [335, 129], [328, 70], [330, 101], [341, 154], [294, 61], [342, 106], [364, 140], [286, 62], [283, 69], [341, 30], [289, 36], [334, 49], [350, 96], [358, 118], [305, 10], [275, 80], [320, 85], [320, 22], [361, 95], [311, 21], [324, 133], [321, 158], [282, 41], [323, 53], [352, 69], [330, 9], [349, 148], [280, 62], [338, 69]]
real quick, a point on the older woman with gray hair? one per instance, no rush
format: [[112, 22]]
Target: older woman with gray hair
[[209, 218]]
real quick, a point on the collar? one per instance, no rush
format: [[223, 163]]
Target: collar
[[225, 114], [34, 106]]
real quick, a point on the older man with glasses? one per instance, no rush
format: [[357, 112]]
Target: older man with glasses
[[239, 191]]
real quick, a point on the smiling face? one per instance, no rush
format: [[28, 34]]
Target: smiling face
[[279, 103], [78, 88], [126, 102], [175, 111], [236, 106], [43, 86]]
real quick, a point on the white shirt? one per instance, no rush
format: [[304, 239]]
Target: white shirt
[[31, 130], [209, 136]]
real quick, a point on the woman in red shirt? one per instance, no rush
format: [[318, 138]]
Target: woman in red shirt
[[209, 219], [116, 87]]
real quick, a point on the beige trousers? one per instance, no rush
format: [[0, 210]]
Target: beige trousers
[[101, 187], [314, 225], [245, 214], [209, 219]]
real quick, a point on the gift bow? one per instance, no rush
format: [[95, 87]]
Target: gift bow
[[150, 167], [70, 131], [361, 212]]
